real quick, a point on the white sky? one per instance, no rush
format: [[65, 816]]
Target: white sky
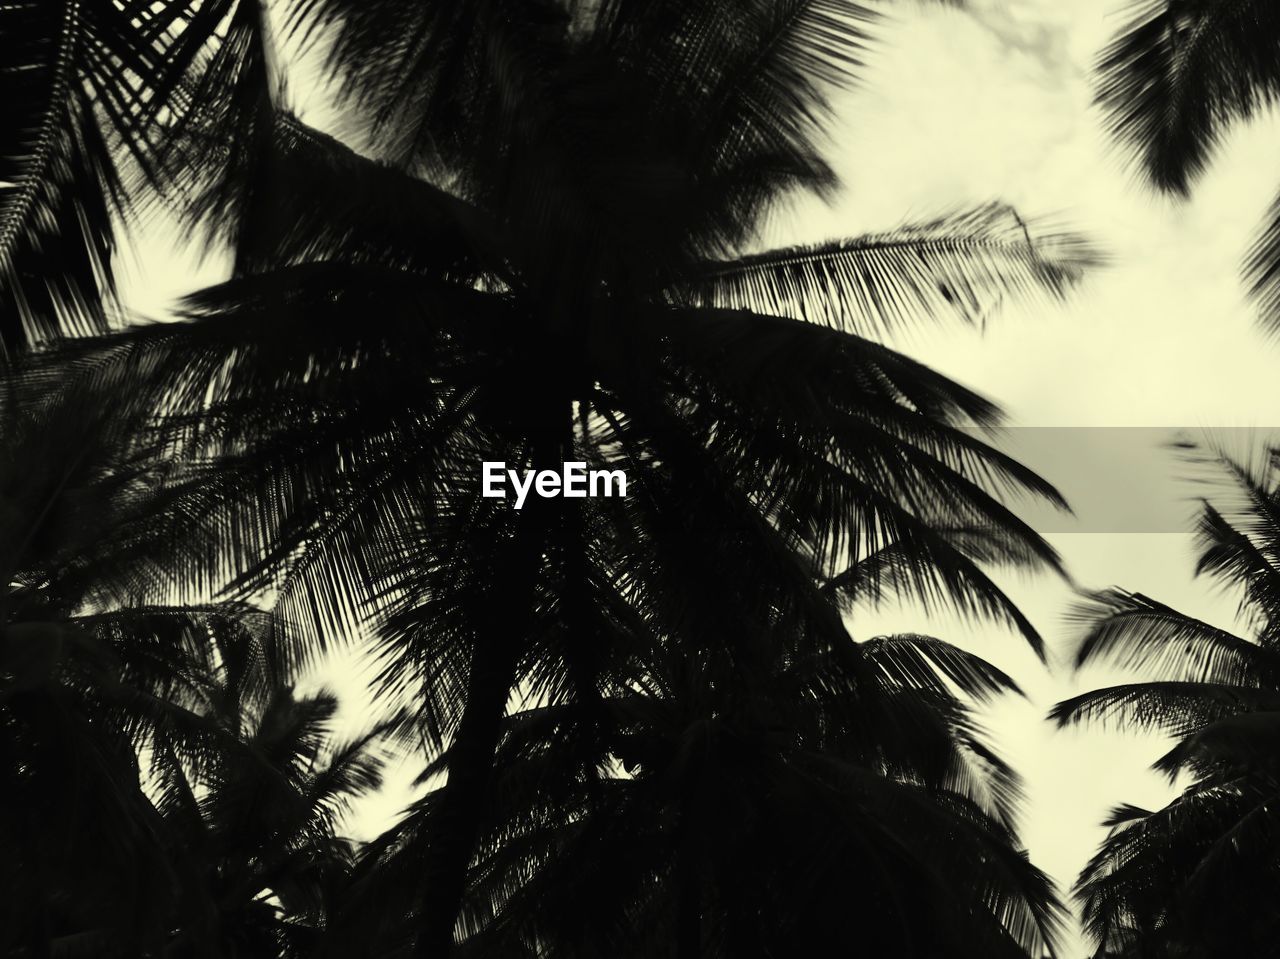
[[959, 108]]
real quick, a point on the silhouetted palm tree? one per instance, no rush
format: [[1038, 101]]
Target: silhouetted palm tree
[[1197, 877], [157, 775], [821, 796], [1175, 79], [486, 598], [252, 818], [550, 264]]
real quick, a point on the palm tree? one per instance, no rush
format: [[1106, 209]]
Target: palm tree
[[125, 730], [1175, 78], [253, 817], [459, 634], [823, 797], [548, 262], [1196, 877]]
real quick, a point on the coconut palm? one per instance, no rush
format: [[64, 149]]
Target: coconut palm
[[483, 599], [253, 819], [1195, 877], [1174, 80], [546, 258], [824, 795]]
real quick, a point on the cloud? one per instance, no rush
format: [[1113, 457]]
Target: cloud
[[1036, 30]]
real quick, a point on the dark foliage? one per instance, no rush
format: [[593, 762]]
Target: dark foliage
[[97, 96], [542, 256], [158, 776], [826, 795]]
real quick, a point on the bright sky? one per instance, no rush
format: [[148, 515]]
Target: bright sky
[[960, 108]]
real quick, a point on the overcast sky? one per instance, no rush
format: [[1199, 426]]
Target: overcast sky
[[960, 108]]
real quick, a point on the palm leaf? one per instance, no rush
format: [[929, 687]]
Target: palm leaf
[[920, 661], [1179, 72], [754, 82], [1129, 629], [314, 199], [962, 265], [1235, 558], [1240, 742], [1170, 707], [1124, 814], [57, 182], [94, 88], [214, 154], [1261, 269]]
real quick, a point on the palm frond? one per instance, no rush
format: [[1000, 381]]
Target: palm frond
[[1134, 889], [1261, 269], [919, 662], [1178, 74], [928, 568], [219, 143], [58, 185], [1130, 630], [1240, 743], [1239, 560], [1015, 892], [962, 265], [314, 199], [754, 83], [804, 365], [96, 89], [354, 769], [1124, 814], [1174, 708]]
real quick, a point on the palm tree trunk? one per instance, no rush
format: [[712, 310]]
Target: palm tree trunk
[[500, 625], [463, 800]]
